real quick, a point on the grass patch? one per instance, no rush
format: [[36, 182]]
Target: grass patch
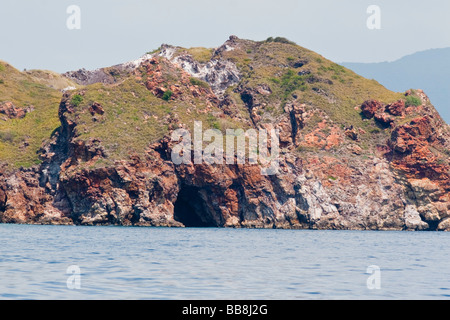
[[198, 82], [279, 40], [134, 118], [167, 95], [154, 51], [202, 55], [76, 100], [7, 136], [24, 90], [290, 82], [319, 83], [413, 101], [446, 151]]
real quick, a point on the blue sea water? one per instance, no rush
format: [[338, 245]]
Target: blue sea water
[[214, 263]]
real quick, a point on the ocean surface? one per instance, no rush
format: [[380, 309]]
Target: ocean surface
[[75, 262]]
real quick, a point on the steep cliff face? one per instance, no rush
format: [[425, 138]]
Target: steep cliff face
[[353, 155]]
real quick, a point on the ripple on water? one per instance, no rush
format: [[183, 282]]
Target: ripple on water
[[166, 263]]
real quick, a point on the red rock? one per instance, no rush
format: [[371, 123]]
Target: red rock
[[96, 108], [396, 108], [351, 133], [412, 144], [13, 112], [355, 149], [3, 199], [421, 127], [370, 107], [384, 118]]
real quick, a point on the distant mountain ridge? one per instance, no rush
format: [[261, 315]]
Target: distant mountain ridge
[[428, 70]]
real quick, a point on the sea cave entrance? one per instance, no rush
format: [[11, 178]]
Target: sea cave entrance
[[191, 208]]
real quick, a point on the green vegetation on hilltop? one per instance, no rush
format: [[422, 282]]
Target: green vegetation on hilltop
[[134, 117], [202, 55], [298, 75], [280, 40], [413, 101], [290, 82], [131, 121], [20, 139]]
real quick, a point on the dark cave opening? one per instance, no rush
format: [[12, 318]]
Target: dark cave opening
[[191, 210], [432, 225]]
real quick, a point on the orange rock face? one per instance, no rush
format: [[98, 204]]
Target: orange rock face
[[10, 111]]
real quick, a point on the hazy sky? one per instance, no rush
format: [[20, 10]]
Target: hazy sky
[[33, 33]]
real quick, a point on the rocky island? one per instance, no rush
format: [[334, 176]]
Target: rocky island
[[93, 147]]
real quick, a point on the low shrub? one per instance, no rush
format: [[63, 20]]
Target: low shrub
[[198, 82], [167, 95], [76, 100], [413, 101]]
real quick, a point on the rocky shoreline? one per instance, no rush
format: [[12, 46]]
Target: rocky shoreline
[[329, 177]]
